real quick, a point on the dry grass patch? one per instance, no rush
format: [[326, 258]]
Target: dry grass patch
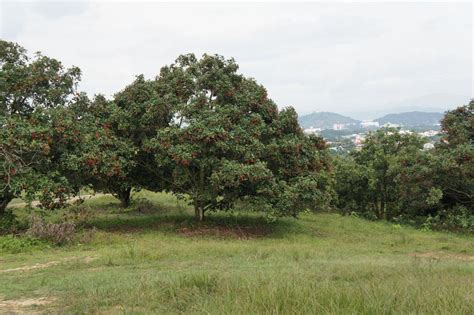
[[441, 255]]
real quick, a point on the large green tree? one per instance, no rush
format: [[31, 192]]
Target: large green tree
[[458, 125], [32, 90], [440, 182], [113, 156], [229, 142], [367, 181], [454, 164]]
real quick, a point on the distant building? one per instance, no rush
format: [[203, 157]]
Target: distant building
[[338, 148], [367, 124], [312, 131], [429, 133], [338, 127], [358, 140], [390, 125], [428, 146]]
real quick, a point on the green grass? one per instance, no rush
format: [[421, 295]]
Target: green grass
[[158, 260]]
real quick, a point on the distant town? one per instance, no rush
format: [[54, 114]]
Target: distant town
[[344, 134]]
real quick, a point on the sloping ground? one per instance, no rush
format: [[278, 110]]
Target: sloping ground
[[164, 263]]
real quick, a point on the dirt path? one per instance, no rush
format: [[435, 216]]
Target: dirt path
[[35, 266], [24, 306], [35, 305], [86, 259], [440, 255]]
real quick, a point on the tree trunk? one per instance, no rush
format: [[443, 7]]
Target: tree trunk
[[383, 212], [124, 197], [376, 208], [4, 201], [199, 213]]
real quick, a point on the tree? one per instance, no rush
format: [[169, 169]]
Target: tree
[[391, 176], [30, 90], [454, 164], [374, 170], [228, 141], [458, 125], [351, 184], [113, 156], [417, 191], [441, 181]]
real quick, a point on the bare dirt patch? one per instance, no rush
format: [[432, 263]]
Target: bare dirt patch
[[235, 232], [440, 255], [86, 259], [32, 267], [24, 306]]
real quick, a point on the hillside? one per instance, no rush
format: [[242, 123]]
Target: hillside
[[411, 119], [154, 260], [325, 120]]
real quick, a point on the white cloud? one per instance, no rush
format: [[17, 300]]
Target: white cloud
[[341, 57]]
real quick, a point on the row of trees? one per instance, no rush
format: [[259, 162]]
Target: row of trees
[[203, 130], [199, 128], [392, 177]]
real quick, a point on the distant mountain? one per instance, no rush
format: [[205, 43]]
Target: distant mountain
[[411, 119], [325, 120], [436, 102]]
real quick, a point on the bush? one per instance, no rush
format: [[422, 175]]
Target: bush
[[13, 244], [458, 218], [80, 215], [56, 233], [8, 223]]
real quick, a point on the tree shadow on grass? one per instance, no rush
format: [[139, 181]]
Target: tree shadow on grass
[[218, 225]]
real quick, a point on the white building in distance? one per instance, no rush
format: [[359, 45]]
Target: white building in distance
[[367, 124], [428, 146], [390, 125], [429, 133], [312, 131]]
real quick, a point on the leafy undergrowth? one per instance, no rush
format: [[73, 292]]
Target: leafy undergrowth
[[157, 259]]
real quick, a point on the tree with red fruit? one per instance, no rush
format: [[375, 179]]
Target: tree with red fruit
[[113, 157], [31, 90], [228, 142]]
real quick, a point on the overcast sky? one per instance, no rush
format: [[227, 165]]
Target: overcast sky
[[345, 57]]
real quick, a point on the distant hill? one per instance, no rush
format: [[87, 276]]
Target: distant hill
[[411, 119], [325, 120], [436, 102]]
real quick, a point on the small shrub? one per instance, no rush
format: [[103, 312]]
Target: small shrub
[[456, 219], [143, 206], [14, 244], [56, 233], [80, 215], [354, 214], [427, 224], [8, 223]]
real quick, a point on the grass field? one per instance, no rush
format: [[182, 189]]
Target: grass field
[[157, 260]]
